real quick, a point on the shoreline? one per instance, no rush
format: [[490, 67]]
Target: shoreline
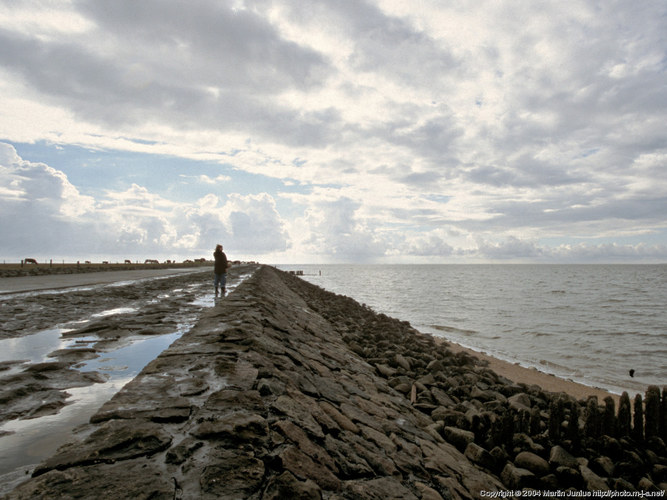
[[285, 390], [532, 376]]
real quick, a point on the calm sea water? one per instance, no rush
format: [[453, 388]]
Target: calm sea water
[[587, 323]]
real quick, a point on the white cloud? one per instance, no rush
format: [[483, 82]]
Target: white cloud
[[43, 213], [500, 120]]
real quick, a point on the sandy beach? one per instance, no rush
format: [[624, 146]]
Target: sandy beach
[[520, 374]]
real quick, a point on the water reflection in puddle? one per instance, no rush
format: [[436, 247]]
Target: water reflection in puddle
[[32, 440], [32, 349], [113, 312], [128, 361]]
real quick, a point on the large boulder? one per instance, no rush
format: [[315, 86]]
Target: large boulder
[[560, 457], [532, 462], [458, 437], [516, 478]]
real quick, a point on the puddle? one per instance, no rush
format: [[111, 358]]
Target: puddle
[[33, 440], [129, 360], [33, 348], [113, 312]]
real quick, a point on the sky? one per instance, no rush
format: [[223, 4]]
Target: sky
[[334, 131]]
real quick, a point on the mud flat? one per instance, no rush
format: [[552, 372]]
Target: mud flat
[[65, 351], [283, 390]]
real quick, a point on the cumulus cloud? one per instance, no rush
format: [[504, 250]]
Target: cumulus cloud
[[336, 231], [515, 124], [44, 214], [37, 202]]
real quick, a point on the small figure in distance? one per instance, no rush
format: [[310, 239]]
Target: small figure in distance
[[220, 270], [632, 372]]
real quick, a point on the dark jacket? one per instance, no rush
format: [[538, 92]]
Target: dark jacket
[[220, 262]]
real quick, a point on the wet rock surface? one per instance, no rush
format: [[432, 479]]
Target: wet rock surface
[[25, 313], [284, 390], [85, 317]]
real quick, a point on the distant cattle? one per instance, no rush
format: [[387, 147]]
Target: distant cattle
[[128, 261], [151, 261], [30, 261]]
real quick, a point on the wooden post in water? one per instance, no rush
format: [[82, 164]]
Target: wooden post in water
[[609, 425], [624, 415], [638, 428], [652, 412]]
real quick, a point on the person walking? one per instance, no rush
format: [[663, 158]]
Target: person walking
[[220, 270]]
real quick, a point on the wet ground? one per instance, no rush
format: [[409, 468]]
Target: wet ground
[[64, 352]]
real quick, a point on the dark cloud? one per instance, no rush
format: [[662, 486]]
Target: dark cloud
[[194, 66], [507, 119]]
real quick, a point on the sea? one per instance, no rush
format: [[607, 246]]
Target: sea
[[591, 324]]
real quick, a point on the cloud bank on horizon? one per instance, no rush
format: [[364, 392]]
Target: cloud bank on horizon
[[334, 131]]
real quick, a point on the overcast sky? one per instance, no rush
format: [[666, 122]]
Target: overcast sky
[[295, 131]]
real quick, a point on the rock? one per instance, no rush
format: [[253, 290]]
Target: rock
[[450, 417], [347, 460], [401, 361], [137, 480], [380, 488], [592, 481], [344, 422], [610, 447], [297, 436], [535, 464], [519, 402], [603, 466], [659, 473], [516, 478], [569, 477], [427, 493], [480, 456], [232, 477], [436, 365], [442, 398], [559, 457], [458, 437], [499, 456], [234, 427], [427, 380], [113, 441], [385, 370], [296, 407], [550, 482], [182, 451], [302, 466], [646, 484], [287, 486]]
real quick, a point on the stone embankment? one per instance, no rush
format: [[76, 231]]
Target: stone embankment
[[284, 390]]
